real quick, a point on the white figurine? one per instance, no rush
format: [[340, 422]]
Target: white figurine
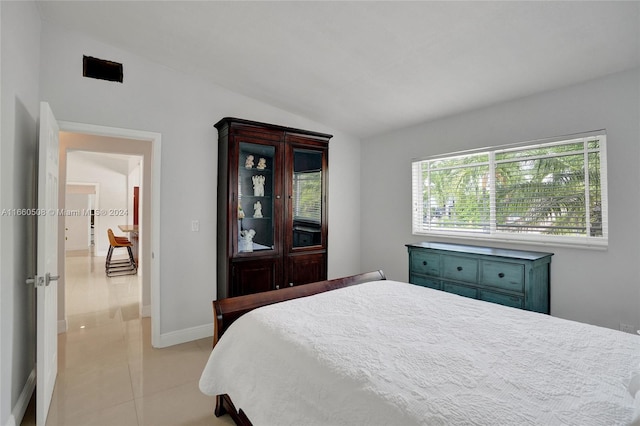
[[248, 163], [258, 185], [262, 164], [257, 209], [246, 241]]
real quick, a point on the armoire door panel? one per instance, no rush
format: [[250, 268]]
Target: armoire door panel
[[254, 276], [305, 269]]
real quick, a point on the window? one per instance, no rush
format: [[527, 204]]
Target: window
[[552, 192], [307, 203]]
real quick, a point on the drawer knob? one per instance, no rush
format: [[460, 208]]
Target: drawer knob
[[501, 274], [459, 268], [424, 262]]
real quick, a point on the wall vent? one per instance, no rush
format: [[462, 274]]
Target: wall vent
[[101, 69]]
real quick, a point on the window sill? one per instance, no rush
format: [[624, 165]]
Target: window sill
[[584, 243]]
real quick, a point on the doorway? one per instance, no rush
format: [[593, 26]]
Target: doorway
[[109, 141], [80, 217]]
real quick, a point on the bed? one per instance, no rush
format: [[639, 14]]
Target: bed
[[364, 350]]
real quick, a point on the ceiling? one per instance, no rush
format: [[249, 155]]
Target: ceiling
[[370, 67], [118, 163]]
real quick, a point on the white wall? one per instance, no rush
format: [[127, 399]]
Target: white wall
[[184, 110], [598, 287], [112, 182], [20, 51]]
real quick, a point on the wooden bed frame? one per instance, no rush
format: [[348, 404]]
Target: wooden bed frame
[[228, 310]]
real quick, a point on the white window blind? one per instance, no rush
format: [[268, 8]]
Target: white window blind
[[550, 192], [307, 203]]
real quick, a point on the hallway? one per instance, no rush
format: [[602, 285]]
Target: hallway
[[108, 373]]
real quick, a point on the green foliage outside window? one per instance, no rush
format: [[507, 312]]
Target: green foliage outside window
[[550, 189], [307, 202]]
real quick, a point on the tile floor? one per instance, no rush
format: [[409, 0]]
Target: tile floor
[[108, 373]]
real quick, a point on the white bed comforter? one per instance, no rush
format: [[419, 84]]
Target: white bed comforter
[[391, 353]]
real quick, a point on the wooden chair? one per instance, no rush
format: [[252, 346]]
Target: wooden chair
[[119, 266]]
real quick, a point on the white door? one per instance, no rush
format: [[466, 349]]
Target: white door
[[47, 264], [76, 222]]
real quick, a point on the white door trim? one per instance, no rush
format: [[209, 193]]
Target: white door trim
[[151, 268]]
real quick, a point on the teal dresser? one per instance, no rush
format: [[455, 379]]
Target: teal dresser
[[514, 278]]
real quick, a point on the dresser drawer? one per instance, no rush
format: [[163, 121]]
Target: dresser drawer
[[460, 268], [508, 276], [462, 290], [502, 299], [425, 282], [425, 263]]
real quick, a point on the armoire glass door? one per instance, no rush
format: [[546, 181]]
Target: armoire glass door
[[256, 230], [306, 198]]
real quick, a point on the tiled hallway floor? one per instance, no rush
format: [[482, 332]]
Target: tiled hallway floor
[[108, 373]]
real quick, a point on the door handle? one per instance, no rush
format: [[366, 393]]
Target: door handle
[[37, 281], [48, 278], [42, 281]]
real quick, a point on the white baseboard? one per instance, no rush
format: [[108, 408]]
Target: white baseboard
[[17, 414], [186, 335], [62, 326], [145, 311]]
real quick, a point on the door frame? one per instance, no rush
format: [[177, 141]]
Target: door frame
[[150, 233]]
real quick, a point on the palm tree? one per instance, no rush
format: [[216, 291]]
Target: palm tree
[[546, 195], [539, 190]]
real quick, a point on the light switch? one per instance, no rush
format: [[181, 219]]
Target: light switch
[[195, 225]]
